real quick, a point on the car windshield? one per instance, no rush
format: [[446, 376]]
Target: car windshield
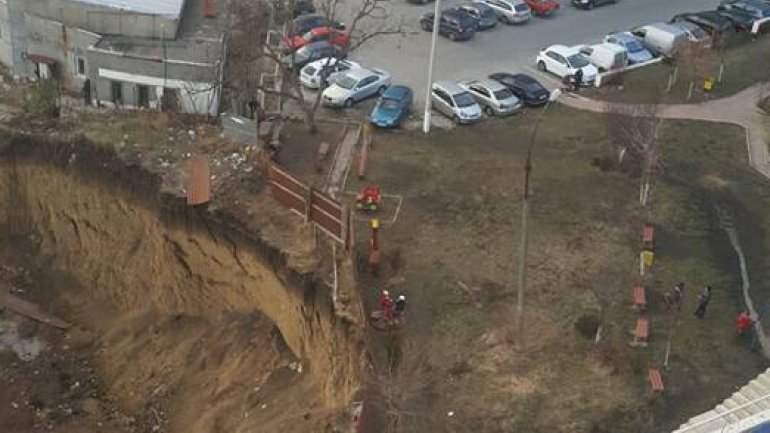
[[503, 94], [488, 13], [464, 99], [309, 70], [634, 46], [346, 82], [391, 104], [577, 60], [521, 7]]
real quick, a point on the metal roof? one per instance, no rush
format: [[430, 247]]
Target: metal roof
[[168, 8]]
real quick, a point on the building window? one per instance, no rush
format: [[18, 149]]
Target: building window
[[80, 65], [117, 92]]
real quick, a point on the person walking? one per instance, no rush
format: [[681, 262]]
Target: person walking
[[744, 322], [578, 79], [386, 304], [678, 296], [400, 305], [703, 302]]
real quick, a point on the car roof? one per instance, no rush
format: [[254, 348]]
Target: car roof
[[623, 36], [481, 7], [524, 78], [308, 17], [449, 86], [489, 84], [562, 49], [396, 92], [360, 73], [608, 46], [665, 27]]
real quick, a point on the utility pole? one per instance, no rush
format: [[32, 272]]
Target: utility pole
[[431, 61], [524, 240]]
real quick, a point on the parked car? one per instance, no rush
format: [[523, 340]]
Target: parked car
[[323, 72], [695, 34], [543, 7], [590, 4], [355, 85], [758, 9], [312, 52], [526, 88], [509, 11], [484, 15], [712, 22], [304, 23], [660, 38], [742, 20], [637, 53], [605, 56], [453, 101], [455, 25], [302, 7], [325, 33], [421, 2], [564, 61], [493, 98], [392, 107]]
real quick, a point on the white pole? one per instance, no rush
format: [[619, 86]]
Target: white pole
[[431, 59]]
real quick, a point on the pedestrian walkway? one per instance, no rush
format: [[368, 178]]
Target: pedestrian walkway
[[740, 109]]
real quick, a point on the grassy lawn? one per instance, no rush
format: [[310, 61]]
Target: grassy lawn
[[453, 252], [746, 63]]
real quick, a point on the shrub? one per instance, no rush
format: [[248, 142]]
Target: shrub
[[43, 99]]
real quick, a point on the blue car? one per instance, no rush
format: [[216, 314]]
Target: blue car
[[393, 106]]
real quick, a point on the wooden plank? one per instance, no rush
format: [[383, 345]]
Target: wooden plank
[[33, 311], [642, 328], [198, 180], [640, 299], [656, 380]]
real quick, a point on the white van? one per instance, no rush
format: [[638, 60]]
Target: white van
[[661, 38], [605, 57]]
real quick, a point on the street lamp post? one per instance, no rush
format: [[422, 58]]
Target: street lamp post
[[431, 60], [524, 240]]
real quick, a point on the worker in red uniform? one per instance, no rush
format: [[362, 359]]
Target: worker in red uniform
[[386, 304], [744, 322]]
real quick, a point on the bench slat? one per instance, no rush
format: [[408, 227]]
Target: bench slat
[[648, 233], [642, 328], [639, 295], [656, 380]]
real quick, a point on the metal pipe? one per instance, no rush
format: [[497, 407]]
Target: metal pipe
[[431, 61]]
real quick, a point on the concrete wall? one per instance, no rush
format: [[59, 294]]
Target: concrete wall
[[6, 52], [106, 21], [61, 43], [197, 86]]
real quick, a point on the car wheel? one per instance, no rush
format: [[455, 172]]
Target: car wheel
[[456, 119], [425, 26], [452, 37], [490, 112], [381, 90], [348, 102], [505, 19], [590, 5], [541, 66]]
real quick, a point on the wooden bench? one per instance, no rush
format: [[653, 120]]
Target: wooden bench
[[656, 380], [641, 332], [639, 298], [648, 237]]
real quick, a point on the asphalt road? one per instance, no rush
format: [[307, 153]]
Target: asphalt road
[[504, 48]]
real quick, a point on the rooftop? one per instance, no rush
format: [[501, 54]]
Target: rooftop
[[168, 8], [186, 50]]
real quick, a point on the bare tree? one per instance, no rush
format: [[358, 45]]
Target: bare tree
[[251, 55]]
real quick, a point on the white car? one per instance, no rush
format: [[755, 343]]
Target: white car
[[323, 72], [494, 98], [564, 61], [355, 85], [509, 11]]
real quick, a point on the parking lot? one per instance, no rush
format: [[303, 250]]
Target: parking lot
[[509, 48]]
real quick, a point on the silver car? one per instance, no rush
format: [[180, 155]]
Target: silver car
[[323, 72], [453, 101], [695, 34], [509, 11], [494, 98], [355, 85]]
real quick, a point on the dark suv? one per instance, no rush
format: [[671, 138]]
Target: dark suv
[[712, 22], [454, 24]]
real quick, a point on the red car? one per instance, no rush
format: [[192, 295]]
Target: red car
[[542, 7], [330, 34]]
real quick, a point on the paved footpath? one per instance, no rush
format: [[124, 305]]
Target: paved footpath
[[739, 109]]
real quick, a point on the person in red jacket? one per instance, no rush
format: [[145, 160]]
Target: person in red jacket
[[386, 304], [744, 322]]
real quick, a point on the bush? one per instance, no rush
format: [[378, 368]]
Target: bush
[[43, 99]]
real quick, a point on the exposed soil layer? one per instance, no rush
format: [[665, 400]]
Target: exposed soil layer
[[184, 321]]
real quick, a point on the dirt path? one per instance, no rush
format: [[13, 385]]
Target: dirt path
[[740, 109]]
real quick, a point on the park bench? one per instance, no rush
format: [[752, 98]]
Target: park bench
[[656, 380], [648, 235], [641, 332], [639, 298]]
